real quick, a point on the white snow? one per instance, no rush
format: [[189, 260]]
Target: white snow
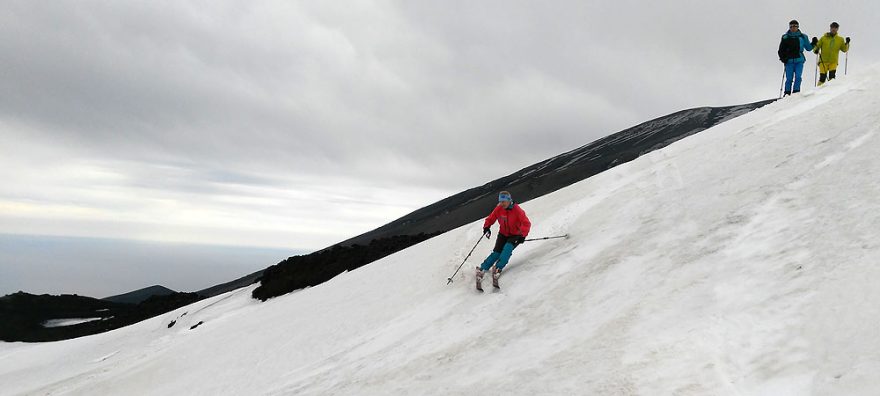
[[739, 261], [67, 322]]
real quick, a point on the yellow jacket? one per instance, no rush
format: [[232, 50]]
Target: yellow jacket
[[828, 48]]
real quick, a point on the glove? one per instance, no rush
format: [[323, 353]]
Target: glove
[[815, 41], [487, 232], [517, 240], [847, 40]]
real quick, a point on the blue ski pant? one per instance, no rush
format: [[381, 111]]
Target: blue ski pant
[[500, 255], [793, 72]]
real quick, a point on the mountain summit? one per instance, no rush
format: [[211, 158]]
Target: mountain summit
[[740, 260], [140, 295]]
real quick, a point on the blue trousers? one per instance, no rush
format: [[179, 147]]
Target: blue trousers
[[500, 255], [793, 73]]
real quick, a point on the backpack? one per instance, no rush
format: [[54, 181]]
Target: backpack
[[789, 48]]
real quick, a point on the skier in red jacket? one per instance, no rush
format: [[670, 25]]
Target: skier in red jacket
[[514, 226]]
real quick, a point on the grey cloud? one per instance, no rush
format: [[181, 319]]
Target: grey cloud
[[187, 102], [149, 81]]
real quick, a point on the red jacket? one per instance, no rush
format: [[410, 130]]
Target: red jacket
[[513, 221]]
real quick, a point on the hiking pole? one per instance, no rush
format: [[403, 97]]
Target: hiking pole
[[782, 83], [541, 239], [816, 72], [466, 257], [846, 60]]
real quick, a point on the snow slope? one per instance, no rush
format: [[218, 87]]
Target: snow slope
[[739, 261]]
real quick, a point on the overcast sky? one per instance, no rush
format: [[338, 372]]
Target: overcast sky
[[299, 124]]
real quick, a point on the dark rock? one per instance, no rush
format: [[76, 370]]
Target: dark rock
[[22, 315]]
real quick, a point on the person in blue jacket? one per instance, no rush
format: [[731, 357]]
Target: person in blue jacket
[[791, 53]]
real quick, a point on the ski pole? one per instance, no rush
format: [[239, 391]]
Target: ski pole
[[816, 72], [846, 61], [552, 237], [465, 259]]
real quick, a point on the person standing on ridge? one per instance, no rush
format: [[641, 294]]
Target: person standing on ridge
[[791, 53], [513, 225], [828, 48]]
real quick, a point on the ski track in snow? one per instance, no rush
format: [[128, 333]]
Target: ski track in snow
[[738, 261]]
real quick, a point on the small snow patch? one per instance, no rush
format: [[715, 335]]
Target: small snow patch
[[67, 322]]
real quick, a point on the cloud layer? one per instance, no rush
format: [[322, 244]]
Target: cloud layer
[[299, 124]]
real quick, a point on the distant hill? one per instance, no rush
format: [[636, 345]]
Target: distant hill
[[23, 316], [140, 295]]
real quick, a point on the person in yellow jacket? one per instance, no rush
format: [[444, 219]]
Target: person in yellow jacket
[[828, 47]]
